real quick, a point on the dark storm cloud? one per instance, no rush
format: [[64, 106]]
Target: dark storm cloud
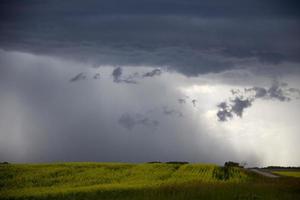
[[129, 121], [244, 99], [191, 37], [212, 8]]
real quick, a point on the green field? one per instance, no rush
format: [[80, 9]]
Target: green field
[[288, 173], [139, 181]]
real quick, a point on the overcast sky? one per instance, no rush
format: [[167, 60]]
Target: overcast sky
[[150, 80]]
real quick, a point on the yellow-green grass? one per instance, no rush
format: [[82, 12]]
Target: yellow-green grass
[[288, 173], [137, 181]]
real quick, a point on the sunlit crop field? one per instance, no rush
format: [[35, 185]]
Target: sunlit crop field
[[288, 173], [139, 181]]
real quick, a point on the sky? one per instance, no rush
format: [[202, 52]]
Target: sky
[[150, 80]]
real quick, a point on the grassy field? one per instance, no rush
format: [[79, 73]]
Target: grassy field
[[139, 181], [288, 173]]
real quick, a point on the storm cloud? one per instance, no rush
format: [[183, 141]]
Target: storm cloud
[[142, 80], [190, 37]]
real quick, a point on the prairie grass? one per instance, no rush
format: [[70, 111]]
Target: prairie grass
[[139, 181]]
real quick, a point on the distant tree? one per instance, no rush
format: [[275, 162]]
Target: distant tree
[[243, 164], [231, 164]]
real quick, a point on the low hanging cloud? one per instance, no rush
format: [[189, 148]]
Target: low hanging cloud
[[117, 77], [130, 121], [155, 72], [78, 77], [132, 78], [117, 73], [244, 99], [83, 76]]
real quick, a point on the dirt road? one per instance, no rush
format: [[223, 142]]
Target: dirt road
[[264, 173]]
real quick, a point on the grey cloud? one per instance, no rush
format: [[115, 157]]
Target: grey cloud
[[117, 77], [52, 119], [97, 76], [171, 112], [78, 77], [294, 92], [155, 72], [244, 99], [259, 92], [184, 100], [128, 81], [84, 76], [277, 93], [181, 101], [194, 102], [117, 73], [224, 112], [238, 105], [130, 121], [230, 8], [235, 91]]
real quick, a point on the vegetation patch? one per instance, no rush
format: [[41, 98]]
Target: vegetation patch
[[139, 181]]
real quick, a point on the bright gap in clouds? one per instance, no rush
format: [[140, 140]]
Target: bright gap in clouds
[[146, 115]]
